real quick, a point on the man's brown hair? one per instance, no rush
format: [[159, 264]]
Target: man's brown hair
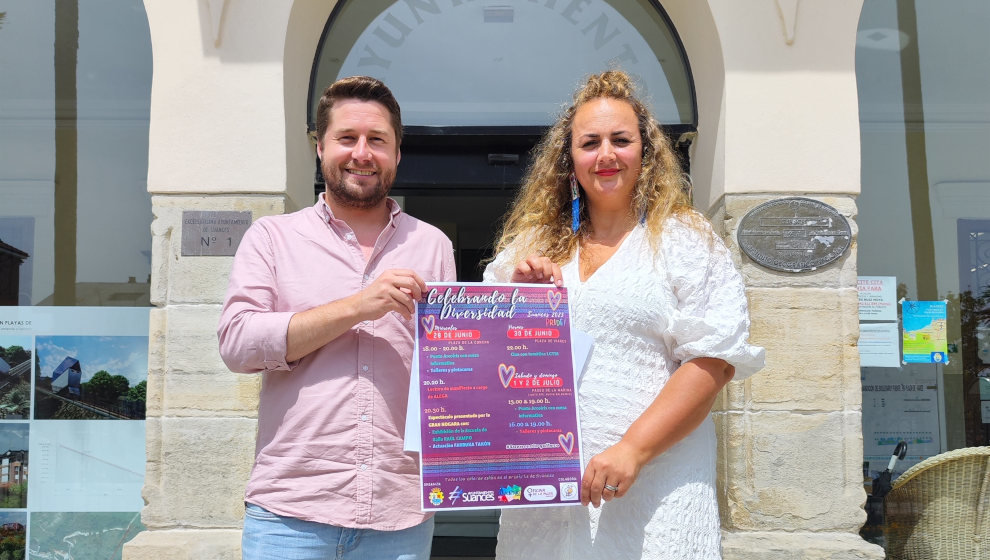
[[363, 88]]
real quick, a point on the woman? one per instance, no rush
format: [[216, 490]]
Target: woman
[[603, 212]]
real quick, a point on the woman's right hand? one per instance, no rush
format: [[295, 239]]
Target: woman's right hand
[[537, 269]]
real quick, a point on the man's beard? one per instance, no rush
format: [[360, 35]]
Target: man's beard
[[353, 196]]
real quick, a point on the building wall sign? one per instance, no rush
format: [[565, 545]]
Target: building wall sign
[[794, 234], [214, 234]]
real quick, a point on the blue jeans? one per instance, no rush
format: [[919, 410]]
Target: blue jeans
[[269, 536]]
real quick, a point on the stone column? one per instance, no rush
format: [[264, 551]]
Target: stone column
[[778, 117], [222, 132], [791, 444]]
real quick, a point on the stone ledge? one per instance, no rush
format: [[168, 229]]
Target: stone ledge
[[185, 544], [797, 546]]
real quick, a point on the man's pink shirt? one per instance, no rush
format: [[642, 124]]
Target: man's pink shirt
[[330, 425]]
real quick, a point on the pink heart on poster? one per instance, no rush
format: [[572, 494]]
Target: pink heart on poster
[[566, 442], [506, 373], [428, 323], [553, 298]]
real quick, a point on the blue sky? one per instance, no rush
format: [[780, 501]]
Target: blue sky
[[13, 436], [13, 517], [23, 341], [117, 355]]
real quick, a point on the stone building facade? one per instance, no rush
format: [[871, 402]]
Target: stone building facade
[[228, 132]]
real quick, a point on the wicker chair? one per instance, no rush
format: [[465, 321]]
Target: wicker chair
[[940, 508]]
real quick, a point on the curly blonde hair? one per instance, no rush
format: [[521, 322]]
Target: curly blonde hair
[[540, 219]]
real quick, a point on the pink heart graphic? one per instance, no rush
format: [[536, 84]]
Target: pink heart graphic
[[428, 323], [566, 442], [553, 298], [506, 373]]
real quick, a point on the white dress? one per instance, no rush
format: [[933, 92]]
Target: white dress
[[648, 312]]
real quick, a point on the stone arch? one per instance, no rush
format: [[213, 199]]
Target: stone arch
[[699, 34], [305, 26]]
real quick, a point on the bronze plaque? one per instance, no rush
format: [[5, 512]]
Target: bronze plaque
[[794, 234], [213, 234]]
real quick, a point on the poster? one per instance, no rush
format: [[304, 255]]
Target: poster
[[899, 405], [924, 332], [877, 298], [72, 434], [497, 401], [879, 345]]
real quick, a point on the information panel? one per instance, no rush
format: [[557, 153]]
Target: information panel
[[72, 447], [899, 405]]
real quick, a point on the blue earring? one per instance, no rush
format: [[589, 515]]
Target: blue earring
[[575, 205]]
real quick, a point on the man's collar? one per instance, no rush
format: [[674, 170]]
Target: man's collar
[[327, 212]]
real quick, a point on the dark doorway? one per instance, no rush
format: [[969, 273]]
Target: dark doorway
[[463, 180]]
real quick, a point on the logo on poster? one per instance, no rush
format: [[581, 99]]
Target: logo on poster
[[568, 491], [540, 493], [455, 495], [479, 496], [509, 493], [436, 496]]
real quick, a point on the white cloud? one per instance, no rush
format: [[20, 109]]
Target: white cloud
[[52, 355]]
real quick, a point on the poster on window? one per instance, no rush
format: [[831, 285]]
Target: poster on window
[[899, 405], [924, 336], [72, 434], [879, 345], [877, 298]]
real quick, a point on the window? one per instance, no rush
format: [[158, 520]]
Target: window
[[74, 108], [467, 64]]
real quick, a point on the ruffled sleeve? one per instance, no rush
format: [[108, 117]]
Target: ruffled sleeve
[[711, 318]]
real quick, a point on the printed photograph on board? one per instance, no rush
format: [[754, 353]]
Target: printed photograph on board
[[13, 534], [82, 535], [16, 263], [91, 377], [13, 465], [15, 376]]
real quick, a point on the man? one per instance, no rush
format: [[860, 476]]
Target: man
[[321, 301]]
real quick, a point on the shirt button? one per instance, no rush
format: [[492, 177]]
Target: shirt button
[[364, 368], [364, 467], [364, 417]]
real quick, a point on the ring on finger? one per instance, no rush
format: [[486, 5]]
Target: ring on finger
[[612, 488]]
